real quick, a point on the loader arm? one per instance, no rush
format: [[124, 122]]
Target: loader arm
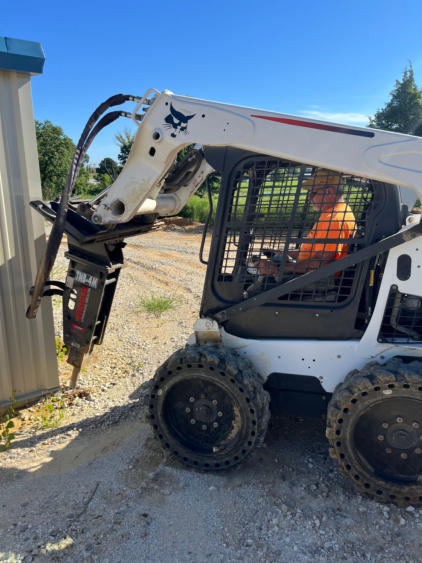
[[172, 122]]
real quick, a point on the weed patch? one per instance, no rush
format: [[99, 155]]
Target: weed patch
[[61, 349], [157, 304], [51, 412], [7, 425]]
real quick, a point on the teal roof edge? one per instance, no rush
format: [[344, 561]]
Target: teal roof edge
[[21, 55]]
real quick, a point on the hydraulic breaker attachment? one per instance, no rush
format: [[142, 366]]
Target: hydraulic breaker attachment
[[95, 258], [90, 285]]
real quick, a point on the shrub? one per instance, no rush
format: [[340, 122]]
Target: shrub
[[197, 209]]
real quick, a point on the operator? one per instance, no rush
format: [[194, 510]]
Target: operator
[[336, 221]]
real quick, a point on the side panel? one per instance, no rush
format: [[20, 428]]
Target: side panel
[[330, 361]]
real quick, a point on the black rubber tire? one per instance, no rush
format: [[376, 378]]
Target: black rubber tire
[[221, 373], [361, 442]]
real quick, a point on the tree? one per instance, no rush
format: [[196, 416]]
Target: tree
[[403, 113], [125, 142], [105, 182], [55, 153], [110, 167]]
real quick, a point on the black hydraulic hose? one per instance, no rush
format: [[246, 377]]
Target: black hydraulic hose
[[104, 121], [54, 240], [204, 234], [115, 100]]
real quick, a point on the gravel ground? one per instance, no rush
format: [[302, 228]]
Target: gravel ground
[[99, 488]]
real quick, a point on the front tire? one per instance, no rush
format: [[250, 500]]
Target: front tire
[[375, 431], [208, 407]]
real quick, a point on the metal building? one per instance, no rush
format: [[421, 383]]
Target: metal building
[[28, 364]]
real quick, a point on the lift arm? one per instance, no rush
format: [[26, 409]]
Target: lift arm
[[171, 122]]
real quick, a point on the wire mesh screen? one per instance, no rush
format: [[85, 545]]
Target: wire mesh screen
[[402, 321], [286, 219]]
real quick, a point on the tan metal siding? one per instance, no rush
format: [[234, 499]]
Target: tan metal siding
[[28, 362]]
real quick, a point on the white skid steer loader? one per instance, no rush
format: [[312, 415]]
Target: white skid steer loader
[[313, 291]]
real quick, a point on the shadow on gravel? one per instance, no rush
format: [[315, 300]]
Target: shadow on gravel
[[292, 445], [111, 417], [295, 449]]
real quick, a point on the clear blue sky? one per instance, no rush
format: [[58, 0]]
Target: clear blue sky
[[333, 60]]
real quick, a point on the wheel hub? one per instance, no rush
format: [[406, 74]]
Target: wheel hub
[[388, 438], [204, 410], [201, 414], [402, 436]]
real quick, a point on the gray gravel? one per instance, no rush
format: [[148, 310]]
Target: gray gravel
[[99, 487]]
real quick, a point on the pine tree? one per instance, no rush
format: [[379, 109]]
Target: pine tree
[[403, 113]]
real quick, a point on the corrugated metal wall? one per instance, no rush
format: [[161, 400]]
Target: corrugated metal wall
[[28, 363]]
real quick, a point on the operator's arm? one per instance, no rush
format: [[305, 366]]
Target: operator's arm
[[318, 259]]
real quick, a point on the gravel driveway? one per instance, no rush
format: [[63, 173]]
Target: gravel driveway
[[99, 488]]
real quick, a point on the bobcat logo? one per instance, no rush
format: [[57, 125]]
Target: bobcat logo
[[177, 121]]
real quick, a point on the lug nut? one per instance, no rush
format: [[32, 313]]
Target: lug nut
[[399, 419], [204, 427], [187, 409], [192, 421], [380, 437], [388, 450], [214, 402], [418, 451], [403, 455], [191, 399], [385, 425], [415, 424], [220, 414], [215, 424]]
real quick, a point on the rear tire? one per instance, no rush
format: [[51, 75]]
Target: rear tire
[[375, 431], [208, 407]]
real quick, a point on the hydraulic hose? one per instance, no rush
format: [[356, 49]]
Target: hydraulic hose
[[53, 244], [207, 222]]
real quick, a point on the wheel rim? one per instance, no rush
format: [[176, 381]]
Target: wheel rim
[[388, 439], [202, 415]]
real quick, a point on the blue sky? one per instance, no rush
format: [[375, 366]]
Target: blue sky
[[335, 60]]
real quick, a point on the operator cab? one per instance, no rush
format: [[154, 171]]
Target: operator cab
[[263, 205]]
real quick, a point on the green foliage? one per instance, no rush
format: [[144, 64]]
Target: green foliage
[[157, 304], [105, 181], [403, 112], [51, 411], [55, 153], [81, 183], [110, 167], [214, 183], [125, 142], [183, 152], [7, 425], [197, 209], [93, 189], [61, 349]]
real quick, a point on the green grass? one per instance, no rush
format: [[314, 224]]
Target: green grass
[[197, 209], [157, 304]]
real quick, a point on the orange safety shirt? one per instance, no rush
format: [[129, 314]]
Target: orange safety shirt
[[336, 223]]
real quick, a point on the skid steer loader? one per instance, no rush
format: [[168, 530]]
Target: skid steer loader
[[342, 336]]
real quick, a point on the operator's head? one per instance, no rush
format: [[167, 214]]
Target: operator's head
[[325, 188]]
